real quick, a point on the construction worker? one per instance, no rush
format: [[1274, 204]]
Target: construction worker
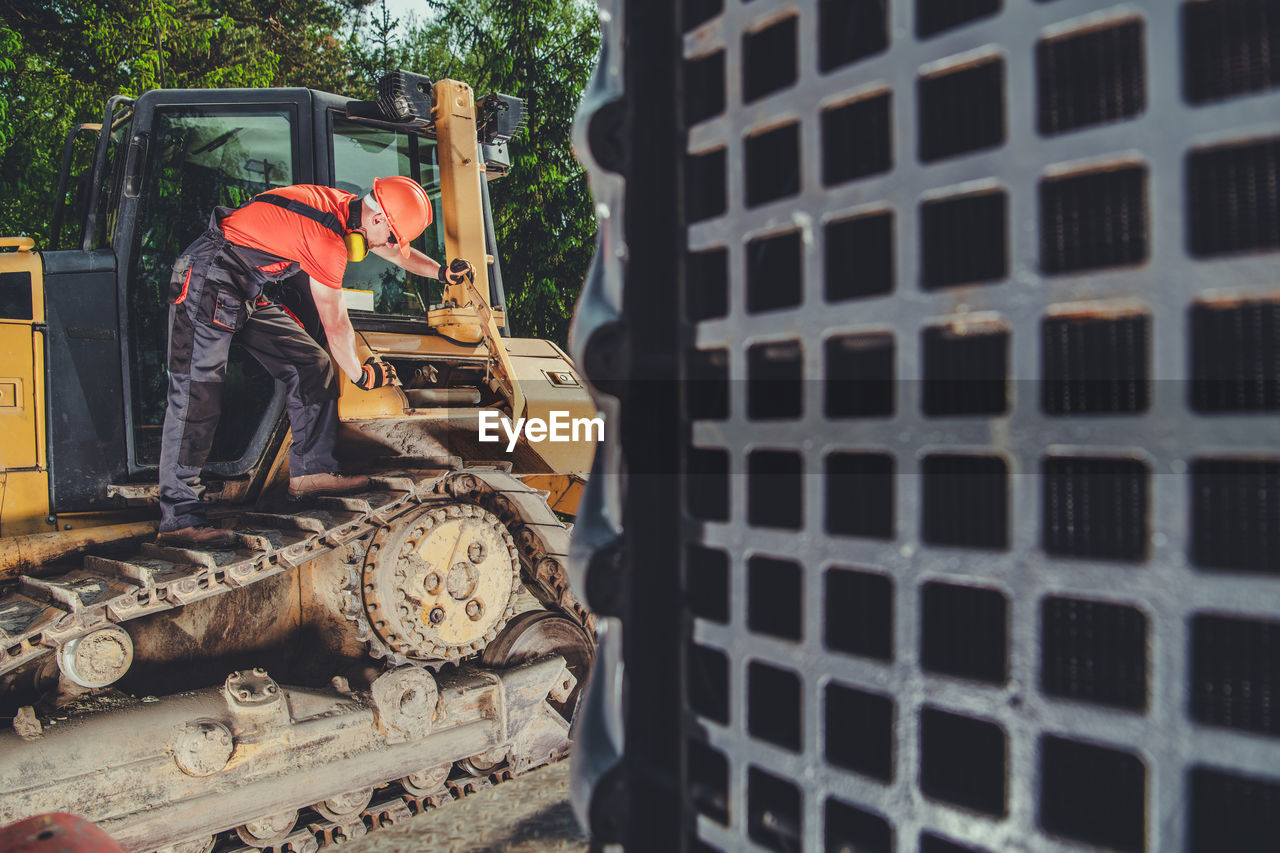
[[216, 296]]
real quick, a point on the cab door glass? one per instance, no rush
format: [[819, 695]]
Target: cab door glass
[[199, 158], [360, 154]]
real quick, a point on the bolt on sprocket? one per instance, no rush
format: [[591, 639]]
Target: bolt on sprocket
[[440, 584]]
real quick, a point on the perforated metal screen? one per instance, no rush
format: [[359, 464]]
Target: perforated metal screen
[[983, 482]]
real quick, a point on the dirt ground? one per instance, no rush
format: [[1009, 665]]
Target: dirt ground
[[527, 814]]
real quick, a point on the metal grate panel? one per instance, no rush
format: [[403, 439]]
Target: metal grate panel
[[979, 479]]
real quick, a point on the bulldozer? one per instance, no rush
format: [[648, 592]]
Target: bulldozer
[[353, 659]]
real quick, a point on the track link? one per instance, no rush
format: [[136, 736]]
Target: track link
[[40, 614]]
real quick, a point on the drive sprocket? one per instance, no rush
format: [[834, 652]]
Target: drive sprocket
[[441, 583]]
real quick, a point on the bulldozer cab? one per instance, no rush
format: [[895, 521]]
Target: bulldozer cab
[[161, 166]]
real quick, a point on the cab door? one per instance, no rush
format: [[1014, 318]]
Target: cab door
[[194, 150]]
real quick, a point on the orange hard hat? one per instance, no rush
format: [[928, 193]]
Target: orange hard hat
[[407, 208]]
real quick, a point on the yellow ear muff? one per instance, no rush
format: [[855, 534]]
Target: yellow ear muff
[[357, 246]]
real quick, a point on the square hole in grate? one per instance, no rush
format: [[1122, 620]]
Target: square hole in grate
[[774, 811], [769, 59], [1233, 198], [1235, 673], [938, 844], [962, 761], [965, 501], [773, 164], [707, 583], [859, 373], [1092, 794], [965, 370], [706, 284], [1235, 515], [859, 495], [708, 774], [707, 484], [849, 30], [773, 705], [859, 731], [1092, 365], [964, 240], [960, 110], [1095, 652], [857, 139], [859, 256], [935, 16], [708, 682], [848, 828], [706, 391], [700, 11], [859, 613], [1235, 356], [703, 88], [1230, 812], [774, 596], [704, 185], [1093, 220], [1095, 507], [1092, 77], [773, 272], [775, 489], [775, 381], [964, 631], [1229, 47]]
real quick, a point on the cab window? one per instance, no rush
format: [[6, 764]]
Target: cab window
[[200, 158], [360, 154]]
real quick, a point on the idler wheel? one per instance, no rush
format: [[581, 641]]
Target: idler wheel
[[537, 633]]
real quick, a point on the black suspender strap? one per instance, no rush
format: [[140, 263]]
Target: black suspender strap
[[328, 220]]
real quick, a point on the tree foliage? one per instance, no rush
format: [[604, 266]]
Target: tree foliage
[[61, 59]]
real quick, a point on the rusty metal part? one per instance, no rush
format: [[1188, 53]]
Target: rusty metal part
[[484, 763], [326, 745], [204, 748], [426, 782], [24, 553], [98, 658], [441, 583], [268, 831], [406, 700], [536, 633], [345, 808]]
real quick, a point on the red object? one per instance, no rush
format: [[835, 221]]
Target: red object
[[56, 833], [186, 282], [407, 207], [320, 252]]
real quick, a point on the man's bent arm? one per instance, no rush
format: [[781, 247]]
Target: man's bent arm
[[337, 328], [417, 262]]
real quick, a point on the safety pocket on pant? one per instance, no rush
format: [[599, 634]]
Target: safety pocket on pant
[[229, 311], [180, 280]]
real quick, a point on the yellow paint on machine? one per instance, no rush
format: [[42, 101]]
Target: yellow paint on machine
[[24, 500]]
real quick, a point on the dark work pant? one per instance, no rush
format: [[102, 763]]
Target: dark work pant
[[198, 352]]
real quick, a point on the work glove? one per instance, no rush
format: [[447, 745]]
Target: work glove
[[456, 271], [375, 373]]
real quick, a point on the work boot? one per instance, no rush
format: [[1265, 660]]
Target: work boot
[[314, 485], [204, 536]]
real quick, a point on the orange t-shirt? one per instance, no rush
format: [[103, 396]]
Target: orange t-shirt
[[321, 253]]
